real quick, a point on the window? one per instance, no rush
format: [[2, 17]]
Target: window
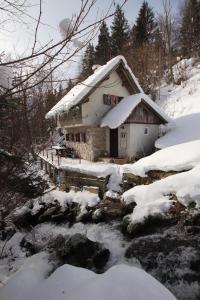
[[111, 99], [83, 137], [146, 130], [67, 137], [71, 137], [123, 135], [77, 137], [123, 140]]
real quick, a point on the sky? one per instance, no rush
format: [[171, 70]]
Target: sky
[[17, 38]]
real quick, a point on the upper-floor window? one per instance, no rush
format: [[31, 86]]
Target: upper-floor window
[[111, 99]]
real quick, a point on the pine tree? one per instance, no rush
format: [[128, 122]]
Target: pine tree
[[143, 31], [190, 28], [119, 32], [103, 48], [87, 62]]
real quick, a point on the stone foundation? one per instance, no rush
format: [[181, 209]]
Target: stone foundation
[[95, 145]]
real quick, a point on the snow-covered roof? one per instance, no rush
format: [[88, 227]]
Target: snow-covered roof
[[119, 114], [81, 90]]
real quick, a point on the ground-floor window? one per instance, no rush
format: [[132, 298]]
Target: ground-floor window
[[77, 137], [123, 140], [146, 130], [83, 137]]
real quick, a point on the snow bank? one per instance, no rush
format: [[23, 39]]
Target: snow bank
[[73, 283], [176, 158], [181, 130], [29, 276], [118, 115], [82, 89], [154, 198]]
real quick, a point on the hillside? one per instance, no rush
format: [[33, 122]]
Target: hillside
[[182, 103]]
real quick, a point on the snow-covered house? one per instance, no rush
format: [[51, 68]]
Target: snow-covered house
[[108, 114]]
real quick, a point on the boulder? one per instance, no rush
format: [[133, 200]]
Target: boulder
[[150, 225], [79, 251], [21, 217], [47, 214]]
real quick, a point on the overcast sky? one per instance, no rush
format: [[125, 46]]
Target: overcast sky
[[19, 38]]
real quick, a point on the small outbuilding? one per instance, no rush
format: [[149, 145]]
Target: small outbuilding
[[108, 115]]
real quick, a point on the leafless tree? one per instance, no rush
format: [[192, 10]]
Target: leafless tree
[[32, 74], [167, 24], [56, 54]]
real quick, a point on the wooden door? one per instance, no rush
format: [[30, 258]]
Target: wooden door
[[114, 142]]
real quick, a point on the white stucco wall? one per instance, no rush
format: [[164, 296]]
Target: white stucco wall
[[132, 141], [94, 110]]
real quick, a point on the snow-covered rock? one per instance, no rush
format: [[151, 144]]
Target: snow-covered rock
[[155, 199]]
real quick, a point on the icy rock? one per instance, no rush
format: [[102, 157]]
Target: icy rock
[[48, 213], [84, 216], [173, 258], [7, 232], [21, 217], [98, 215], [78, 250], [150, 225]]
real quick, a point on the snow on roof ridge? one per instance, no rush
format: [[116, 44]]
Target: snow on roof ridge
[[119, 114], [78, 92]]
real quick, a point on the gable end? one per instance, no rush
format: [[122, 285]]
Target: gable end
[[144, 114], [127, 80]]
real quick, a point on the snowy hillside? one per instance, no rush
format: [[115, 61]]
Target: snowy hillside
[[182, 103], [182, 99]]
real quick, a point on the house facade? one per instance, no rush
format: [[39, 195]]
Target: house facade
[[108, 115]]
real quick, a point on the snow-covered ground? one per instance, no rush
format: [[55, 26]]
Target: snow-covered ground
[[73, 283], [181, 130], [178, 158]]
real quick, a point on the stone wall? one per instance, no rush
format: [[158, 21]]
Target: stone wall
[[95, 145], [71, 179]]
